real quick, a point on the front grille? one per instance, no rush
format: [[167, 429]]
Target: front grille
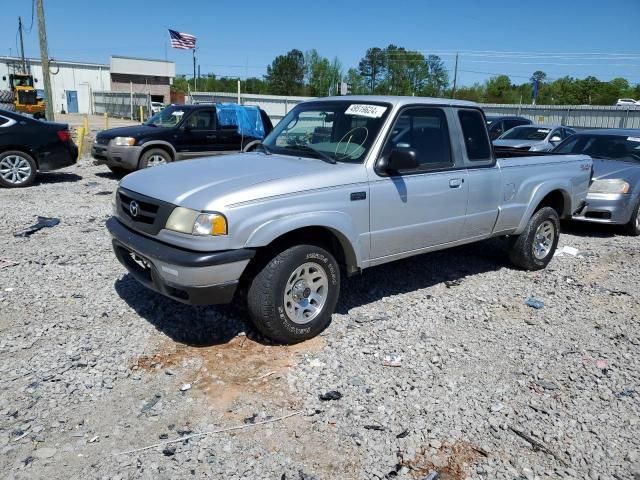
[[102, 141], [27, 97], [151, 214]]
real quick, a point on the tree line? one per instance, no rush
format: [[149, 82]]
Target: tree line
[[397, 71]]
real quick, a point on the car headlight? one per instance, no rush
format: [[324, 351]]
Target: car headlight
[[609, 186], [125, 141], [185, 220]]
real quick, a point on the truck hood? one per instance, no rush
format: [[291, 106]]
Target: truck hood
[[215, 182], [628, 171], [132, 131]]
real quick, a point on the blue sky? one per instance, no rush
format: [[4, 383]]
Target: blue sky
[[242, 38]]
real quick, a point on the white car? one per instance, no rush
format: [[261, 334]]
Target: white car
[[622, 102], [156, 107]]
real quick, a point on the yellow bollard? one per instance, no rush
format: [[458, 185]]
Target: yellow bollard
[[106, 120], [141, 114], [85, 124], [80, 141]]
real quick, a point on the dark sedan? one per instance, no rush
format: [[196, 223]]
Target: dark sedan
[[498, 125], [614, 196], [29, 146]]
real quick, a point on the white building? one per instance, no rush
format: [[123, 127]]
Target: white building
[[73, 83]]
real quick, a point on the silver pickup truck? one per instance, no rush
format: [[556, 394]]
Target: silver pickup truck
[[341, 184]]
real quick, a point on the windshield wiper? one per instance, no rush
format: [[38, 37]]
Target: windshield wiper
[[264, 148], [316, 153]]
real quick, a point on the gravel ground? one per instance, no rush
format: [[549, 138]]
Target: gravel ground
[[438, 363]]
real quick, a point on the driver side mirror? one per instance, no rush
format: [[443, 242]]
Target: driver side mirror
[[401, 159]]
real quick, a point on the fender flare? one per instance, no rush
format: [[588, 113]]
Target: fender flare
[[338, 223], [155, 143], [539, 194]]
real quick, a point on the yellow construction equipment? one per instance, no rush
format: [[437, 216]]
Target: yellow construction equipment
[[21, 95]]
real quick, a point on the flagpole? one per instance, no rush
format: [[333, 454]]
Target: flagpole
[[195, 84]]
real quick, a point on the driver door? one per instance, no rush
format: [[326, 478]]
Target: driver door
[[198, 135]]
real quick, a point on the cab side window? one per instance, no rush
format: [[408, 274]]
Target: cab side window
[[202, 120], [425, 131], [474, 131]]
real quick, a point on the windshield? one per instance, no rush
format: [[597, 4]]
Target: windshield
[[608, 147], [22, 81], [526, 133], [340, 131], [168, 117]]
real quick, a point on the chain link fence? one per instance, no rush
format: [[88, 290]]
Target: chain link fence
[[121, 104]]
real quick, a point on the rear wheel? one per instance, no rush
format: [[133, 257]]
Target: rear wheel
[[154, 157], [6, 96], [17, 169], [10, 107], [292, 298], [533, 249], [633, 227]]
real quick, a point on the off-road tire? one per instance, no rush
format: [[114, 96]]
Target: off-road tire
[[147, 157], [6, 96], [33, 169], [521, 252], [9, 107], [267, 290], [633, 227]]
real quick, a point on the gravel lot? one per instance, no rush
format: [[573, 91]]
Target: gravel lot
[[440, 364]]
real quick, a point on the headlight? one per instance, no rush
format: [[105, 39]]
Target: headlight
[[125, 141], [609, 186], [190, 221]]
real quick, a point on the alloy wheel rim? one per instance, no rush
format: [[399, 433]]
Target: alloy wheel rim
[[15, 169], [543, 240], [305, 293], [155, 160]]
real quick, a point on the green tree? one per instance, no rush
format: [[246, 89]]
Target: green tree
[[322, 75], [437, 77], [285, 75], [498, 89], [371, 67], [358, 86]]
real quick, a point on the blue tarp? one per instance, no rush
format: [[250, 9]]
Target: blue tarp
[[246, 118]]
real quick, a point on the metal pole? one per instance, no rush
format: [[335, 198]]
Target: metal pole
[[131, 99], [24, 63], [238, 91], [455, 78], [195, 84], [44, 58]]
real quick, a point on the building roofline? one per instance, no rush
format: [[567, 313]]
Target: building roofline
[[143, 59], [54, 61]]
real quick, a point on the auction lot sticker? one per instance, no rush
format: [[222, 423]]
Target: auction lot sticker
[[362, 110]]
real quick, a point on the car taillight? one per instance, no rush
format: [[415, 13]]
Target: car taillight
[[64, 135]]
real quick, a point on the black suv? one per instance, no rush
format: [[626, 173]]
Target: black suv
[[181, 132], [498, 125]]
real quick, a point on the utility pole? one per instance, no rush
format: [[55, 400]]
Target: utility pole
[[455, 78], [24, 63], [195, 80], [44, 58]]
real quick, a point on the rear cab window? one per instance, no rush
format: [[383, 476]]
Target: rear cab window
[[476, 141]]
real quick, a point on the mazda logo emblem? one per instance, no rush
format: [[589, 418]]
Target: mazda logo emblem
[[133, 208]]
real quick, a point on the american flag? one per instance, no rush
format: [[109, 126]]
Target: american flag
[[182, 40]]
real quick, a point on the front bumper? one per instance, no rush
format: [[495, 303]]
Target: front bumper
[[608, 208], [196, 278], [116, 156]]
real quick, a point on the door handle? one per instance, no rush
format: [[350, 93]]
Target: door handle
[[456, 182], [211, 137]]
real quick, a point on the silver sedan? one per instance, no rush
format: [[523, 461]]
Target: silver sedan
[[534, 138], [614, 195]]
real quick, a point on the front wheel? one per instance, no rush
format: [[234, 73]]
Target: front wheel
[[292, 298], [154, 157], [633, 227], [17, 169], [533, 249]]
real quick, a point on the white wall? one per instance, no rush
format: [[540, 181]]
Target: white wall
[[83, 78]]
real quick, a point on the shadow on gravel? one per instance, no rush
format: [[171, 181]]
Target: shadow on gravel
[[195, 326], [404, 276], [587, 229], [109, 175], [56, 177]]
